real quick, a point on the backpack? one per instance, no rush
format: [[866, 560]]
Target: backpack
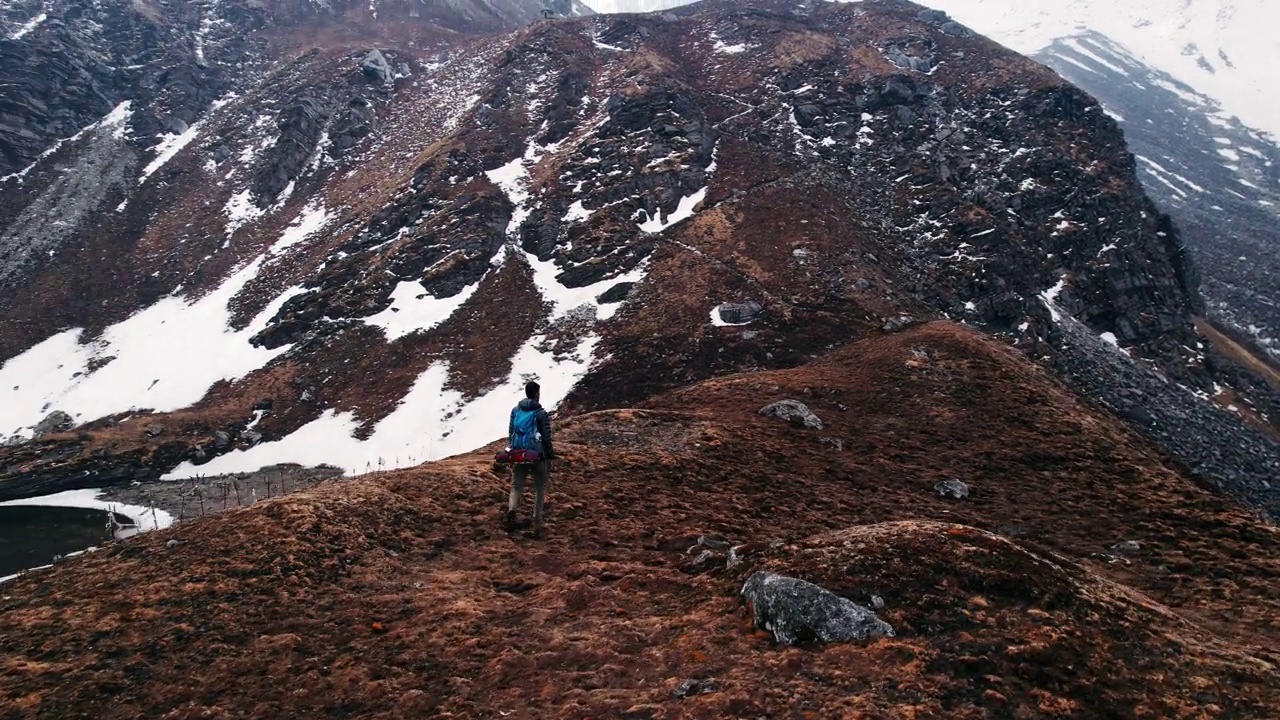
[[526, 441]]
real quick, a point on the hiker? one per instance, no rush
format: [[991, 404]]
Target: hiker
[[530, 429]]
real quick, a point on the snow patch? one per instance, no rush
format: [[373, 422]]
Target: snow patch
[[1050, 298], [240, 211], [429, 423], [164, 357], [577, 211], [310, 221], [684, 210], [170, 145], [413, 309], [513, 179], [28, 26], [563, 299], [724, 48]]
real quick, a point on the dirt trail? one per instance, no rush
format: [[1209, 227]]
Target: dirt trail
[[398, 596]]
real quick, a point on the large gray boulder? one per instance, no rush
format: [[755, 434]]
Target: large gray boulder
[[740, 313], [796, 611], [954, 489], [376, 67], [793, 411]]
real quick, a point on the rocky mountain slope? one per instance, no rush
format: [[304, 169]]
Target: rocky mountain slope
[[1085, 578], [356, 251], [1190, 84]]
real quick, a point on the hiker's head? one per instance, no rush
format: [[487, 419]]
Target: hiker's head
[[531, 390]]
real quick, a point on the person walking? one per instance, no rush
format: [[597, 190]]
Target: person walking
[[530, 429]]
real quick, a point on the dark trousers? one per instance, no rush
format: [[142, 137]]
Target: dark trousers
[[541, 472]]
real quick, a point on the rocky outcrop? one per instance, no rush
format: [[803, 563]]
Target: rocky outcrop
[[301, 126], [799, 612], [794, 412], [739, 313], [376, 68], [352, 124], [56, 421], [954, 489]]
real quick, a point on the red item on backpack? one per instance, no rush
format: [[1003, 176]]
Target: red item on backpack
[[518, 457]]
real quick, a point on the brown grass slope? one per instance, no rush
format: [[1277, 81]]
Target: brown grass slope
[[1007, 605]]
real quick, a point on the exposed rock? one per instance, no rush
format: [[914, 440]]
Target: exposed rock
[[732, 559], [251, 437], [56, 421], [617, 293], [308, 395], [694, 686], [792, 411], [1127, 547], [155, 430], [376, 67], [221, 440], [714, 542], [739, 313], [806, 114], [352, 124], [300, 125], [954, 489], [898, 322], [796, 611], [1218, 446], [908, 60], [433, 217], [705, 561]]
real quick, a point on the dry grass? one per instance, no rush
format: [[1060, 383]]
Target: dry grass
[[1008, 604]]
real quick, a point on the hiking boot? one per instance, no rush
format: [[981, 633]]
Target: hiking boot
[[509, 520]]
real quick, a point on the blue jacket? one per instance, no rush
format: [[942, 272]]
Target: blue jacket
[[544, 424]]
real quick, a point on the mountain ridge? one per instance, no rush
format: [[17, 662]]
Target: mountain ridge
[[397, 595], [567, 187]]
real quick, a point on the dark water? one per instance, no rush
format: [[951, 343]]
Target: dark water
[[31, 536]]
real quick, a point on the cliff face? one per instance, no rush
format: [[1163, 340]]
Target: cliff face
[[360, 250]]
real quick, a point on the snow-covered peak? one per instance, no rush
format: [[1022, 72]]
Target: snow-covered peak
[[1224, 49]]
